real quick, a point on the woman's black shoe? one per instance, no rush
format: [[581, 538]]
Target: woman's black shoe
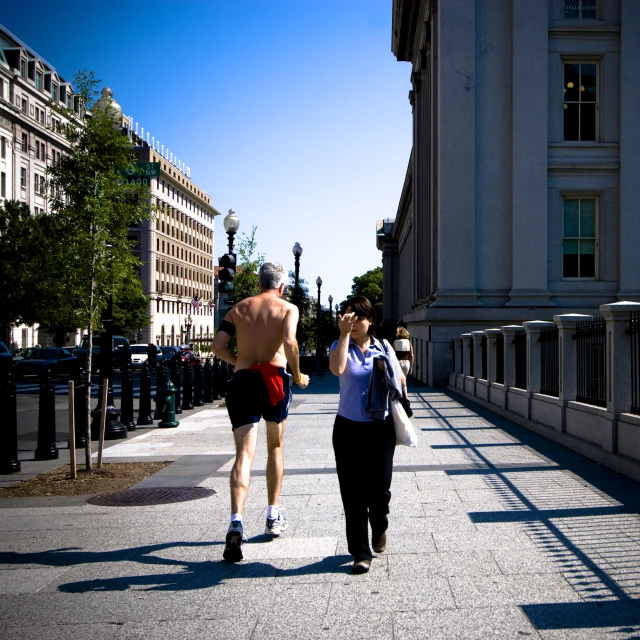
[[361, 566], [406, 405]]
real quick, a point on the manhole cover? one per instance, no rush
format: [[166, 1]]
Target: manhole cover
[[144, 497]]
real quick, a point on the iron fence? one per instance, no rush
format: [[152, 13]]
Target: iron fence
[[520, 343], [500, 358], [591, 362], [483, 347], [634, 330], [549, 362]]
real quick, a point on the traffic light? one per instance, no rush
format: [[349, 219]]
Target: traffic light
[[225, 275]]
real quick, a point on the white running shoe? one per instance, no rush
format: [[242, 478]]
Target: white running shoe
[[275, 526]]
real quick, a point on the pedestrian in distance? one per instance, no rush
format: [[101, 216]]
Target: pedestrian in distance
[[363, 445], [404, 352], [265, 330]]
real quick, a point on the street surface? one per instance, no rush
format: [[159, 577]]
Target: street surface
[[494, 532]]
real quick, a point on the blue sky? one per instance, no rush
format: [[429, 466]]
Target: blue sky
[[292, 112]]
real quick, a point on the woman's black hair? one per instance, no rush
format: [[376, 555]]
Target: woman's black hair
[[363, 308]]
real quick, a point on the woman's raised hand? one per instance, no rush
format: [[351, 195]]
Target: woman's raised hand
[[346, 322]]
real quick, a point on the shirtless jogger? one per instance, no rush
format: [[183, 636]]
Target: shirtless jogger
[[265, 329]]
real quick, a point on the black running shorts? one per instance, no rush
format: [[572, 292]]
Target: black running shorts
[[248, 399]]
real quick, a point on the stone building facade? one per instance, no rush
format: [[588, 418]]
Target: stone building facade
[[176, 251], [521, 194], [29, 138]]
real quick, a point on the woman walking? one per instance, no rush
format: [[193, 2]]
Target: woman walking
[[363, 447], [404, 352]]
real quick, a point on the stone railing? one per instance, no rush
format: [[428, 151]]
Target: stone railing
[[603, 360]]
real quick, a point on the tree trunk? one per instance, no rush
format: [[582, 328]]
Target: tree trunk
[[87, 432]]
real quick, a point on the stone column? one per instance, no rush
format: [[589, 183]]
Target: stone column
[[455, 164], [457, 355], [533, 329], [618, 356], [509, 333], [529, 272], [629, 256], [477, 353], [466, 354], [568, 362], [492, 354]]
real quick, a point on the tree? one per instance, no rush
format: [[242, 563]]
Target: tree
[[369, 285], [300, 297], [92, 207], [18, 248], [246, 277], [130, 305]]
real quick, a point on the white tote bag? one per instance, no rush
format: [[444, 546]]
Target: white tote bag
[[405, 433]]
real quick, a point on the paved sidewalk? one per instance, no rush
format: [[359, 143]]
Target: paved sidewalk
[[495, 532]]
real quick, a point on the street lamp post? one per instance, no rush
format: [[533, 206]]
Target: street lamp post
[[228, 261], [330, 299], [187, 327], [297, 252], [318, 354], [337, 309]]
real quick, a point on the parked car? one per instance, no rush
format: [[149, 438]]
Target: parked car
[[140, 355], [187, 355], [120, 350], [168, 353], [6, 361], [21, 354], [57, 360]]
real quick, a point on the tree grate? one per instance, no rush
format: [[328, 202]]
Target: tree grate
[[151, 496]]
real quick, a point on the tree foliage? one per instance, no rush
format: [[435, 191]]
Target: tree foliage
[[249, 262], [369, 285], [18, 242]]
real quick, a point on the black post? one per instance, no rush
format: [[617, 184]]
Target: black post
[[47, 449], [297, 267], [80, 407], [216, 379], [9, 462], [197, 385], [175, 379], [319, 355], [208, 396], [144, 408], [187, 386], [126, 398], [161, 378]]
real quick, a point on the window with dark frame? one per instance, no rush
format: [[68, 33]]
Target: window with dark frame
[[23, 177], [579, 238], [581, 9], [580, 101]]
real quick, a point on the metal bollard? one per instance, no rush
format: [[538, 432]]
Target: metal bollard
[[187, 387], [161, 378], [175, 379], [197, 385], [144, 408], [80, 408], [215, 377], [224, 378], [168, 404], [208, 396], [46, 449], [9, 462], [126, 398]]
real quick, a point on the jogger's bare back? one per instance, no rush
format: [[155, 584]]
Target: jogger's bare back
[[262, 323]]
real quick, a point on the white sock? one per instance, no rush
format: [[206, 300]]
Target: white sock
[[272, 511], [237, 517]]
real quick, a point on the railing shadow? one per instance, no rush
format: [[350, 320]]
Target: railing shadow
[[583, 517]]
